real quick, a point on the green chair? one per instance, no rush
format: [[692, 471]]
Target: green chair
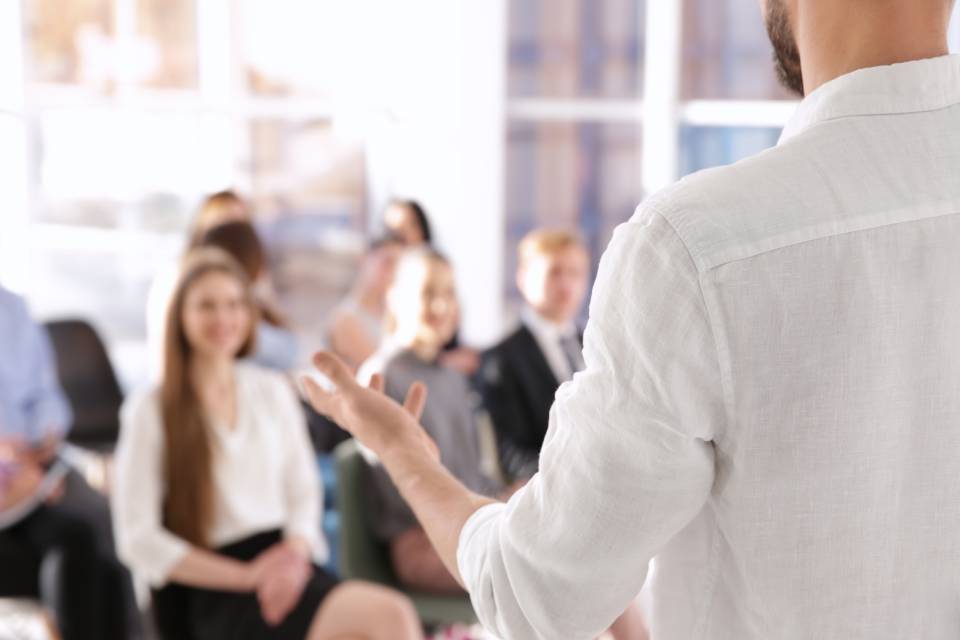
[[364, 557]]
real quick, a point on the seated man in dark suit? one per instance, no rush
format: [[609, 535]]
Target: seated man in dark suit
[[519, 377]]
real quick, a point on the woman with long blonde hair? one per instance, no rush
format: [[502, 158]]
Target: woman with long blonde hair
[[217, 499]]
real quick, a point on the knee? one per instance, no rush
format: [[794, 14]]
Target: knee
[[395, 611], [399, 608]]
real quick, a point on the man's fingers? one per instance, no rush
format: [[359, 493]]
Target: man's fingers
[[376, 382], [416, 400], [334, 368], [320, 399]]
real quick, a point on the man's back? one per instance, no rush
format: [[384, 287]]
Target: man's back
[[830, 271]]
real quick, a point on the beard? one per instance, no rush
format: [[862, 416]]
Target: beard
[[786, 55]]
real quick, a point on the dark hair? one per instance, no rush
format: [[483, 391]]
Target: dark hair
[[212, 207], [419, 213], [241, 242]]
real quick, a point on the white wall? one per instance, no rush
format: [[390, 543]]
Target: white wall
[[14, 214], [441, 141]]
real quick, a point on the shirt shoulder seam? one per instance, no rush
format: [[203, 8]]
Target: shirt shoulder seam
[[720, 347]]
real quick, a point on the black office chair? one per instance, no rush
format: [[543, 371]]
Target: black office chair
[[88, 379]]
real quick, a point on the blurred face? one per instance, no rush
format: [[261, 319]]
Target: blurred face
[[215, 316], [786, 54], [425, 305], [402, 222], [555, 285]]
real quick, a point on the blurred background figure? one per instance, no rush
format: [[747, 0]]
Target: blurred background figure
[[276, 346], [220, 208], [407, 220], [520, 375], [356, 324], [91, 594], [217, 501], [423, 314]]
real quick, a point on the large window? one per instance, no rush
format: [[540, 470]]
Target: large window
[[577, 110], [134, 109], [117, 116]]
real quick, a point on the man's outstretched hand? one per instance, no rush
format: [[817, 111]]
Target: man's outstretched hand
[[393, 432], [371, 417]]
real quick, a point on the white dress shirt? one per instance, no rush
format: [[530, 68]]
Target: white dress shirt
[[771, 404], [264, 476], [548, 335]]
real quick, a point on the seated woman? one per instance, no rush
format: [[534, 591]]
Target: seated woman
[[215, 209], [276, 345], [356, 325], [423, 314], [216, 496]]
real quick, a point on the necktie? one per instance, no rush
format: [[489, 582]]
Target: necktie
[[572, 352]]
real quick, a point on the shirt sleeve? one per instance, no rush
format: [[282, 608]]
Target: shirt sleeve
[[628, 460], [143, 543], [302, 481], [47, 408]]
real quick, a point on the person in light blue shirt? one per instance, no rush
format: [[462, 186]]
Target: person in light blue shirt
[[33, 408], [34, 418]]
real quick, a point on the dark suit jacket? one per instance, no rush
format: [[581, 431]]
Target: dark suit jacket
[[517, 386]]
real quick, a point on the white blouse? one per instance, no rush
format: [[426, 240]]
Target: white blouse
[[771, 400], [264, 475]]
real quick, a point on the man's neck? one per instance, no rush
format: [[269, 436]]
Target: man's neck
[[836, 38]]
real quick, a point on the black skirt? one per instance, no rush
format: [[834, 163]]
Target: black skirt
[[187, 613]]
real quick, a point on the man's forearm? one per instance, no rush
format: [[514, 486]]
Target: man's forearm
[[441, 503]]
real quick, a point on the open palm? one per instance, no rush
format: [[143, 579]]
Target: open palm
[[376, 420]]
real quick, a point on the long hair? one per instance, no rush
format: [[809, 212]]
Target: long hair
[[188, 460]]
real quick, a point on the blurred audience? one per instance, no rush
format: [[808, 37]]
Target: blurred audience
[[217, 500], [407, 220], [356, 325], [422, 315], [64, 518], [276, 346], [519, 376]]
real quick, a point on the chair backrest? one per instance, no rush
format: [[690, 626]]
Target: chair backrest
[[88, 379], [362, 555]]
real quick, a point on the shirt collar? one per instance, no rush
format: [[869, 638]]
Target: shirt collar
[[907, 87], [546, 328]]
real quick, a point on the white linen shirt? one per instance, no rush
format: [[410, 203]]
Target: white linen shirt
[[771, 403], [264, 476]]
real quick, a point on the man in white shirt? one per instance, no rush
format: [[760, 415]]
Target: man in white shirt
[[771, 400], [519, 376]]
